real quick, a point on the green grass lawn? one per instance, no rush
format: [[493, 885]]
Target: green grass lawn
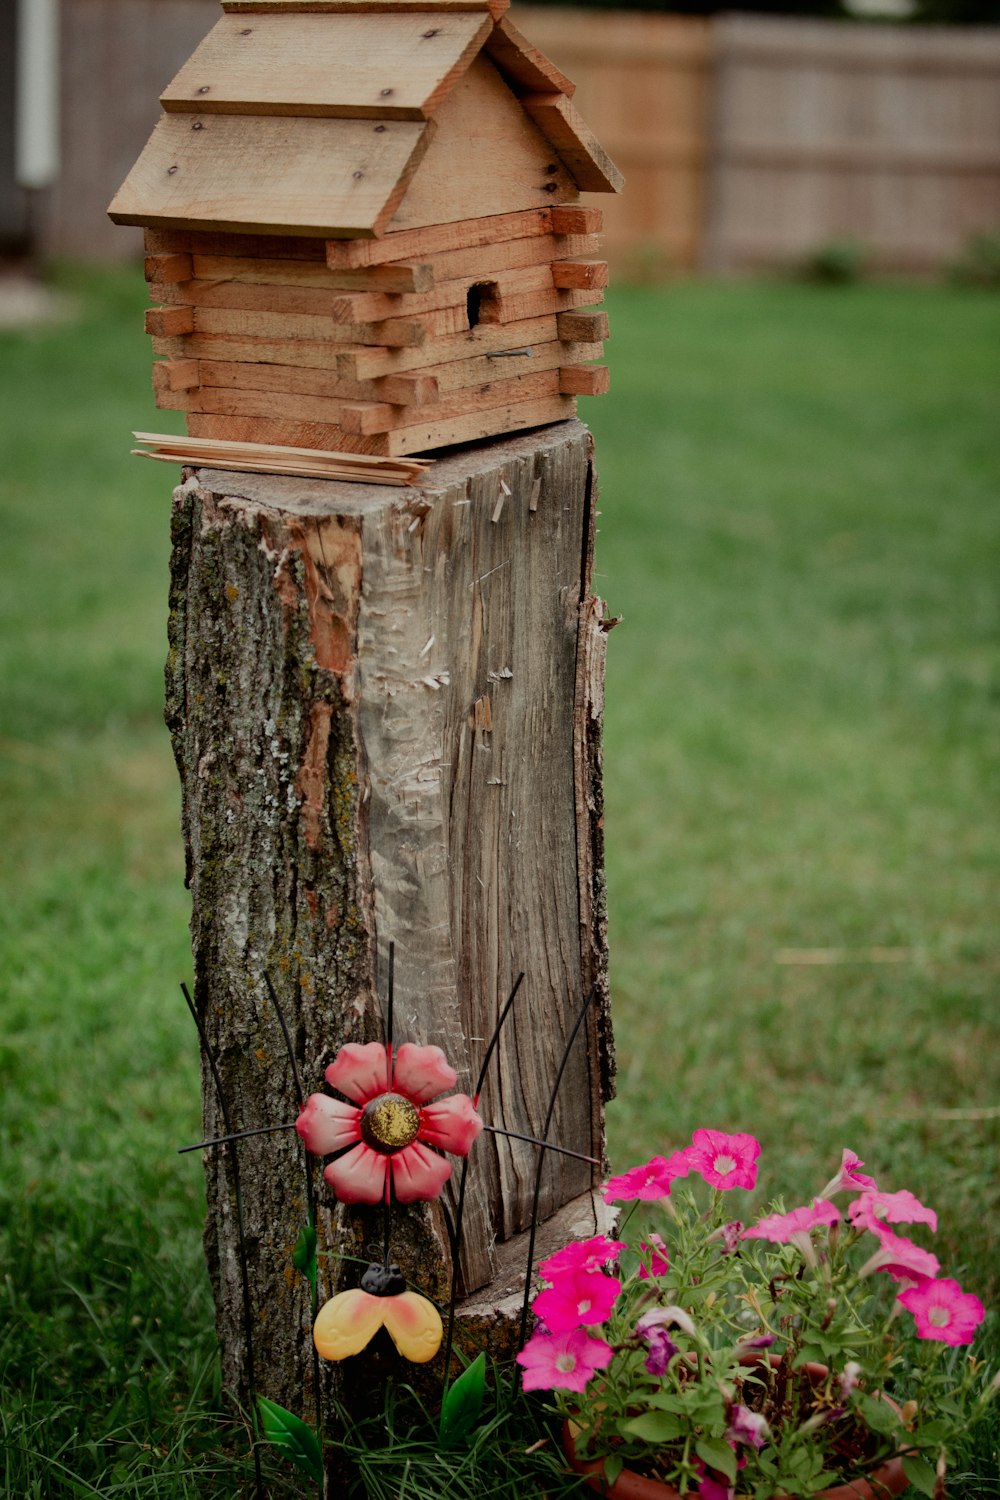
[[800, 529]]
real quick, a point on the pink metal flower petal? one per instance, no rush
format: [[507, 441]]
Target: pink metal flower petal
[[452, 1124], [422, 1072], [359, 1176], [328, 1125], [417, 1173], [359, 1070]]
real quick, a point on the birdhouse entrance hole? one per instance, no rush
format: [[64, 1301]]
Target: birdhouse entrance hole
[[482, 303]]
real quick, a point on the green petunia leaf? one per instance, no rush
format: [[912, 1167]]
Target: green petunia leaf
[[462, 1403], [294, 1437], [304, 1254], [920, 1474]]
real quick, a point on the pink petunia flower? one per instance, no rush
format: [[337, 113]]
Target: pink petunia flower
[[872, 1210], [725, 1161], [650, 1181], [747, 1427], [900, 1257], [581, 1255], [389, 1124], [659, 1261], [578, 1299], [562, 1361], [849, 1176], [943, 1311], [796, 1225]]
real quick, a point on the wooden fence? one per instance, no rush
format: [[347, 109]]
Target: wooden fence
[[820, 131], [117, 57], [643, 87], [746, 141]]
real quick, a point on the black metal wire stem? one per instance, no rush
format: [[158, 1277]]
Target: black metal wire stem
[[456, 1234], [541, 1163]]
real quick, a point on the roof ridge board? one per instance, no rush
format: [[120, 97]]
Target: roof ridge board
[[523, 66], [496, 8], [348, 66]]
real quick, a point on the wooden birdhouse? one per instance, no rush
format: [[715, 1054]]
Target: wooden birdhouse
[[363, 230]]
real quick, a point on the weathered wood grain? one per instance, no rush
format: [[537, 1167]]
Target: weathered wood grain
[[486, 158], [259, 174], [328, 645], [422, 437], [390, 66], [402, 244], [584, 156], [258, 271]]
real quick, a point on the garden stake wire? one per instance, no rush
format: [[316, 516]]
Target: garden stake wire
[[455, 1234], [241, 1222], [390, 1071], [541, 1162]]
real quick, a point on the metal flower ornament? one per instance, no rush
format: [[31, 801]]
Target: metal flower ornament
[[381, 1144], [383, 1134]]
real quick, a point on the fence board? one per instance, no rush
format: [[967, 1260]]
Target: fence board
[[820, 131], [642, 87], [117, 57]]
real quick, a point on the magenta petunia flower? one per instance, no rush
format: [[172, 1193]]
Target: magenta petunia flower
[[747, 1428], [900, 1257], [783, 1228], [872, 1210], [390, 1124], [656, 1254], [943, 1311], [725, 1161], [712, 1486], [562, 1361], [730, 1234], [661, 1348], [578, 1299], [581, 1255], [849, 1176], [650, 1181]]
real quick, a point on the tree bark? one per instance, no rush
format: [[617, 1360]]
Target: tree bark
[[385, 706]]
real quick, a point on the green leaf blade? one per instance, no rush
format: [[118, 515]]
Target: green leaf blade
[[304, 1254], [462, 1403], [920, 1474], [294, 1437]]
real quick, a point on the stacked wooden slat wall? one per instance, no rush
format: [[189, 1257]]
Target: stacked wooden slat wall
[[643, 88], [888, 135]]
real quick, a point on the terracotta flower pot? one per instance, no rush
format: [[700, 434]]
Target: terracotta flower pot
[[887, 1479]]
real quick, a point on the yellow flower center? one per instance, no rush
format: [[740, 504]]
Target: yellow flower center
[[939, 1317], [389, 1123]]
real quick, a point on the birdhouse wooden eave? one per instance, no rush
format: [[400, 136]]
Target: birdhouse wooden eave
[[347, 119]]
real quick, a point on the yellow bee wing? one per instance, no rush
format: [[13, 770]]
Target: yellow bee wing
[[415, 1326], [346, 1323]]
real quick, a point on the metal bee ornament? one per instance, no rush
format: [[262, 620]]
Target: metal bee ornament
[[351, 1319]]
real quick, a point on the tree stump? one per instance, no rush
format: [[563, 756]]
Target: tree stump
[[385, 706]]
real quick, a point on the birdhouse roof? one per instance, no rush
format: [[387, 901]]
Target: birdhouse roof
[[317, 117]]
